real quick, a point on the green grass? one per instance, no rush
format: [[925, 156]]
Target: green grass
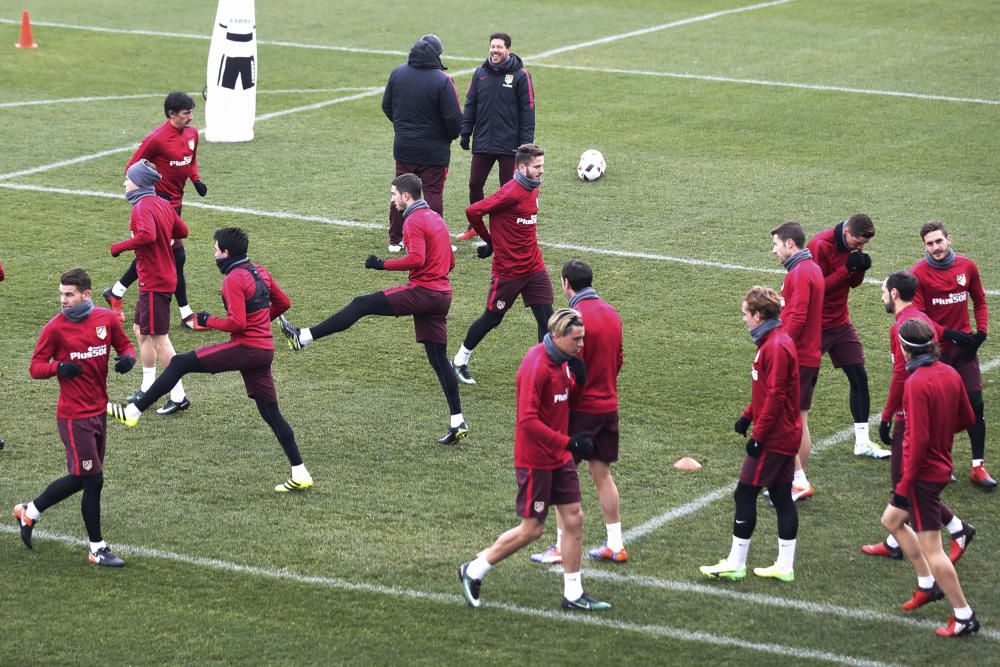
[[362, 568]]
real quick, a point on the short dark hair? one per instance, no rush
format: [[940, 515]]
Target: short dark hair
[[76, 277], [501, 35], [861, 225], [527, 152], [903, 282], [763, 300], [176, 102], [917, 337], [232, 239], [932, 226], [410, 184], [578, 274], [791, 230]]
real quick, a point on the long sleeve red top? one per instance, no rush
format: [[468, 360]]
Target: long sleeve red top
[[774, 395]]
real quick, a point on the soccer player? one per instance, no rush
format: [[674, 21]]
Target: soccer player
[[252, 299], [839, 253], [594, 406], [897, 296], [518, 267], [947, 282], [2, 443], [936, 407], [773, 443], [173, 150], [543, 461], [154, 226], [426, 113], [73, 346], [499, 116], [801, 317], [427, 295]]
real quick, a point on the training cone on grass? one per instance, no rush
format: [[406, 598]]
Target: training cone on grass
[[687, 463], [26, 41]]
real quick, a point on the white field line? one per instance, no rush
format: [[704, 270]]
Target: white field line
[[657, 28], [114, 98], [661, 631]]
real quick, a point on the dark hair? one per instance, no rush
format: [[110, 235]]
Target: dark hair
[[861, 225], [176, 102], [791, 230], [410, 184], [932, 226], [578, 274], [903, 282], [76, 277], [232, 239], [501, 35], [917, 337], [763, 300], [527, 152]]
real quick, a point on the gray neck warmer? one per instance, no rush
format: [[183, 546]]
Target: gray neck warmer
[[764, 328], [944, 263], [80, 311], [526, 182], [800, 256], [582, 295], [555, 354], [134, 196], [419, 204], [920, 360]]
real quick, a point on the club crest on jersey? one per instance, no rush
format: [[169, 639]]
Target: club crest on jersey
[[539, 506], [191, 144], [501, 305], [87, 465], [961, 279], [507, 80], [102, 332], [753, 374]]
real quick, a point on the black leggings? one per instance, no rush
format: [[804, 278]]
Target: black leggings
[[90, 503], [490, 319], [860, 399], [180, 293], [745, 519], [977, 432], [375, 303], [438, 356]]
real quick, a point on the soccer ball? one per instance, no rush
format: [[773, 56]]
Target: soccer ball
[[591, 165]]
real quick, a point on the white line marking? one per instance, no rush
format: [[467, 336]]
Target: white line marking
[[444, 598], [657, 28], [113, 98]]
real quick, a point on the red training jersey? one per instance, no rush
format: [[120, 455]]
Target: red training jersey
[[513, 230], [944, 295], [831, 254], [774, 395], [250, 311], [154, 223], [894, 401], [936, 407], [429, 257], [2, 276], [802, 310], [175, 154], [602, 354], [84, 343], [541, 434]]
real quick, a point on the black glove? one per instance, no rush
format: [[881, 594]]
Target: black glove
[[753, 447], [899, 501], [484, 250], [202, 318], [68, 369], [741, 426], [579, 371], [374, 262], [580, 444], [960, 338], [858, 261], [201, 188], [885, 432], [124, 363], [464, 142]]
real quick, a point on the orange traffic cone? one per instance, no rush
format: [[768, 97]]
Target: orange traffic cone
[[687, 463], [26, 41]]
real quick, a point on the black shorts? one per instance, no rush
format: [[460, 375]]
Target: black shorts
[[428, 307], [533, 289], [152, 313], [538, 489], [967, 367], [84, 440], [807, 384], [603, 430], [253, 363], [843, 345], [925, 505], [768, 469]]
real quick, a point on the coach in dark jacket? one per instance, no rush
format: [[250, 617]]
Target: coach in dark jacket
[[423, 105]]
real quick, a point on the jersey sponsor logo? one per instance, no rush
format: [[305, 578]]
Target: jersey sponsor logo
[[539, 506], [182, 163], [559, 398], [87, 465], [102, 332], [754, 374], [533, 220], [507, 80], [952, 298], [961, 279], [191, 144], [92, 351]]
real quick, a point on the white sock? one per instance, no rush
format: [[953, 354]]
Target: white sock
[[559, 541], [615, 536], [861, 438], [478, 568], [891, 541], [185, 311], [119, 290], [94, 546], [463, 356], [954, 526], [305, 336], [976, 463], [300, 474], [786, 555], [457, 420], [799, 479], [925, 582], [177, 393], [32, 511], [572, 585], [132, 412], [738, 552], [963, 613], [148, 376]]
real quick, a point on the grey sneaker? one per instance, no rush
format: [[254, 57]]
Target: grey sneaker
[[470, 586], [585, 603], [462, 373], [170, 407]]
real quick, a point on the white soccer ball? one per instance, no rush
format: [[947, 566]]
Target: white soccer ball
[[592, 165]]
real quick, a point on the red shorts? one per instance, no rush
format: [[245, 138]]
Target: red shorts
[[968, 368], [152, 313], [807, 384], [533, 289], [768, 469], [843, 345], [428, 307], [603, 430], [84, 440], [538, 489], [925, 505], [253, 363]]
